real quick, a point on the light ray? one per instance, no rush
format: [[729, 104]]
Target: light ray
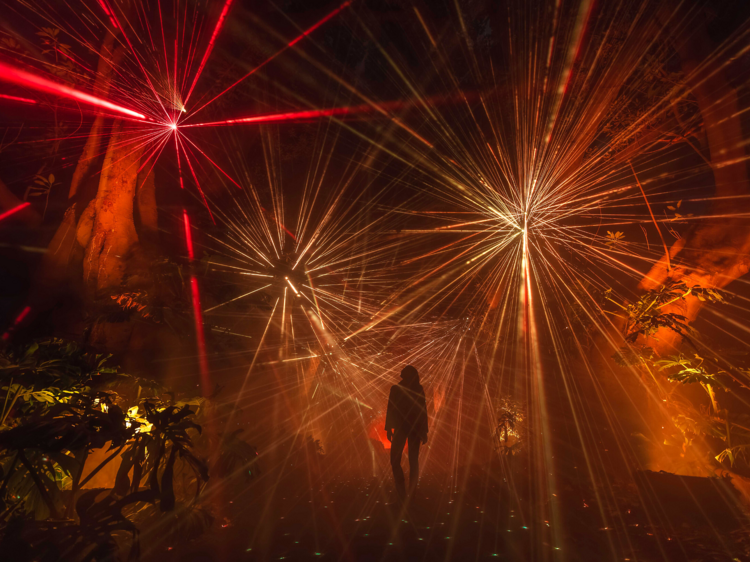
[[22, 78]]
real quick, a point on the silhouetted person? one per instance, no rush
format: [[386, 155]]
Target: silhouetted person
[[406, 420]]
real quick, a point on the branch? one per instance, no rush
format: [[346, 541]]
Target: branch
[[40, 486], [666, 250]]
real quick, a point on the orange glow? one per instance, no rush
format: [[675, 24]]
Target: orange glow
[[376, 431]]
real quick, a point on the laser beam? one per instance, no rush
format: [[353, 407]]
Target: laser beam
[[210, 47], [22, 78], [14, 210], [293, 42], [16, 98]]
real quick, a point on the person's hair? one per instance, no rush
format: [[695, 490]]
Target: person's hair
[[410, 374]]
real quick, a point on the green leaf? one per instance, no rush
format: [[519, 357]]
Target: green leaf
[[44, 396], [67, 464]]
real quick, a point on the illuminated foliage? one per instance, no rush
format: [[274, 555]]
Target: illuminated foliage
[[508, 433], [648, 314], [61, 404], [644, 319]]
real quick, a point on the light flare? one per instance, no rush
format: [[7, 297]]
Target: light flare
[[20, 77]]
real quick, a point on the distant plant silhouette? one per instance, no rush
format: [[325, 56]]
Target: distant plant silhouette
[[508, 433]]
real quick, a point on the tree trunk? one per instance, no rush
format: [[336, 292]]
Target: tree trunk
[[60, 264], [108, 228], [109, 57], [112, 236], [147, 212], [713, 253], [716, 251]]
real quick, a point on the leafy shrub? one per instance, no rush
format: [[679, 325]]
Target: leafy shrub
[[60, 403]]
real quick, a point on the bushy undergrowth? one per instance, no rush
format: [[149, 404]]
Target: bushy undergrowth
[[61, 407]]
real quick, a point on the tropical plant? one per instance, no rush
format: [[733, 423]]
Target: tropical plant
[[101, 516], [42, 187], [686, 371], [236, 456], [614, 238], [644, 318], [508, 433], [60, 404]]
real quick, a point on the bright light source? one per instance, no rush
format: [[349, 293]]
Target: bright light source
[[174, 126], [296, 292]]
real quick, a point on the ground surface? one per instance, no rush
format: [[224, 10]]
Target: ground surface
[[357, 519]]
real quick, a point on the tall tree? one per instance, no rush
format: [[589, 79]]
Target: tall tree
[[91, 252], [716, 251]]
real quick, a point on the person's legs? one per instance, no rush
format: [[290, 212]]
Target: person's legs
[[414, 444], [397, 451]]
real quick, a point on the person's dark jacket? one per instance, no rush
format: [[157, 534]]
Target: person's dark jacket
[[407, 409]]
